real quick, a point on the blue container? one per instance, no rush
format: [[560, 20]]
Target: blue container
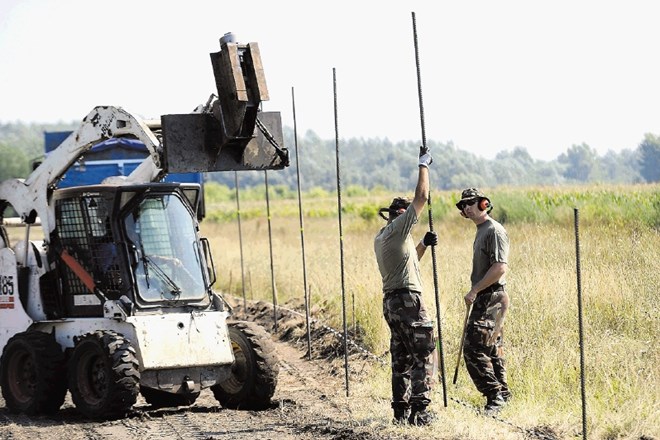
[[112, 157]]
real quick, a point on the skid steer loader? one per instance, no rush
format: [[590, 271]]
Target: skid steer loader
[[115, 298]]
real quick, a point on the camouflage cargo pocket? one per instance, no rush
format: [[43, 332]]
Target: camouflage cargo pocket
[[423, 337], [479, 332]]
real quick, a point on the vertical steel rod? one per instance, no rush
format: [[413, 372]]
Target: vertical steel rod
[[435, 267], [341, 233], [302, 229], [249, 284], [270, 247], [580, 322], [240, 239]]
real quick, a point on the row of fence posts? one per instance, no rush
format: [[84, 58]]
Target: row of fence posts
[[341, 247]]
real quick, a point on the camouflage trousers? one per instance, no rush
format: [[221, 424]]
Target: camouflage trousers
[[412, 346], [484, 358]]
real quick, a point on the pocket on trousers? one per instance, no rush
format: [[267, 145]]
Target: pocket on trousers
[[479, 332], [423, 336]]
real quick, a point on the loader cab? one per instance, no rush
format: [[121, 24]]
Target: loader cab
[[136, 242], [163, 248]]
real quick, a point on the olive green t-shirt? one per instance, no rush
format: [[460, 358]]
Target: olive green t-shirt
[[491, 245], [396, 254]]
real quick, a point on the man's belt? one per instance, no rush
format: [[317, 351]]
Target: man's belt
[[399, 291], [492, 288]]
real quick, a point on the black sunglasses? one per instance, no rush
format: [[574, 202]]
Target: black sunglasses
[[467, 203]]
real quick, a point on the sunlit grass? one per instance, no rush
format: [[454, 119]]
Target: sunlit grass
[[620, 281]]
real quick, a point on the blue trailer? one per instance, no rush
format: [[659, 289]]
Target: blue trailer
[[113, 157]]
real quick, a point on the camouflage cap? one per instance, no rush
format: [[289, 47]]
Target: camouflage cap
[[469, 194]]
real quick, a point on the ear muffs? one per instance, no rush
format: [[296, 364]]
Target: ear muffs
[[381, 213], [484, 204]]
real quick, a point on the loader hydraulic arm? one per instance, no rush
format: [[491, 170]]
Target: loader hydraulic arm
[[30, 197], [229, 132]]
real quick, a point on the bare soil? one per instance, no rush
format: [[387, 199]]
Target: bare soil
[[309, 402]]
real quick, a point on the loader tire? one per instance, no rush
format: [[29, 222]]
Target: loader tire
[[254, 372], [33, 376], [104, 375], [163, 399]]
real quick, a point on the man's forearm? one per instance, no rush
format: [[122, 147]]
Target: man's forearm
[[421, 249], [421, 190], [494, 274]]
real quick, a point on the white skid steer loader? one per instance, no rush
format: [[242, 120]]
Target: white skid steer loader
[[116, 299]]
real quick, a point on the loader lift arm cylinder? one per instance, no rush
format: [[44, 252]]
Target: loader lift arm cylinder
[[103, 122]]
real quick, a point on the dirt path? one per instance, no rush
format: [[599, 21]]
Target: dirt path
[[309, 403]]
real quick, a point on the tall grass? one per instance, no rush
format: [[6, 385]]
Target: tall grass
[[619, 242], [622, 205]]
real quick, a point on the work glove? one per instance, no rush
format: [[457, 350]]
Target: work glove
[[425, 158], [430, 239]]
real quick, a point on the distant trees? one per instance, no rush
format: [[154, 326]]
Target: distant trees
[[21, 144], [618, 167], [649, 158], [14, 163], [579, 161], [381, 163], [510, 168]]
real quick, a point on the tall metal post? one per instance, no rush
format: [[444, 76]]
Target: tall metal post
[[240, 239], [435, 267], [341, 233], [580, 323], [302, 228], [270, 248]]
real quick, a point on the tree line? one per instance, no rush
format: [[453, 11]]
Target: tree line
[[379, 163]]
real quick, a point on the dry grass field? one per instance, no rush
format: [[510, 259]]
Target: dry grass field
[[620, 281]]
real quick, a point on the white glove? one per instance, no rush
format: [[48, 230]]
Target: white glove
[[425, 158]]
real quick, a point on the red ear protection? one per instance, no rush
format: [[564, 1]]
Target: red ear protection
[[484, 204]]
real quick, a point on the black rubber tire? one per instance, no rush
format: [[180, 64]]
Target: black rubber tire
[[163, 399], [33, 376], [254, 372], [104, 375]]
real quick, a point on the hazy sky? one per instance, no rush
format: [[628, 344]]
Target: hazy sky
[[495, 74]]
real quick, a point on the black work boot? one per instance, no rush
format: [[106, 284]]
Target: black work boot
[[420, 416], [401, 415], [494, 404]]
